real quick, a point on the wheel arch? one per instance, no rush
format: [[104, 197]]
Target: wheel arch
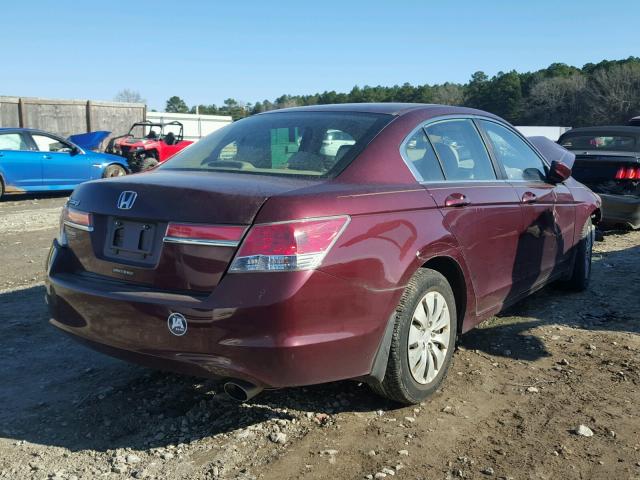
[[120, 164], [452, 271], [456, 274]]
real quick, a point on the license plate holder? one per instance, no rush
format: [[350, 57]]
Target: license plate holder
[[131, 239]]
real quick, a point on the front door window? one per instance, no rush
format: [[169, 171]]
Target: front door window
[[50, 144]]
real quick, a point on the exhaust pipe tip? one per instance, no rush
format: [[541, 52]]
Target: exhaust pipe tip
[[240, 390]]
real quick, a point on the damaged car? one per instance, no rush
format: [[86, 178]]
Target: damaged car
[[36, 161], [281, 267], [608, 162]]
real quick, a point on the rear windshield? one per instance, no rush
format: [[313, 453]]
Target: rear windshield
[[307, 144], [599, 142]]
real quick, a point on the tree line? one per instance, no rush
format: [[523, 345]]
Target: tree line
[[607, 92]]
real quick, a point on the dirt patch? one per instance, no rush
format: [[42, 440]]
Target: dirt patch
[[27, 227], [518, 390]]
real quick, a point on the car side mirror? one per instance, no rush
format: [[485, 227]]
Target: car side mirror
[[558, 172], [74, 151]]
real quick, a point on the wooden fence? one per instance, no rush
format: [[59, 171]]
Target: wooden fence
[[68, 117]]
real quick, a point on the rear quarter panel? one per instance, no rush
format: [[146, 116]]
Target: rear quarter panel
[[395, 225], [394, 230]]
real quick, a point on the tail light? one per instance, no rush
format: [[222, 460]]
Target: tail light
[[77, 219], [628, 173], [288, 246], [73, 218], [197, 234]]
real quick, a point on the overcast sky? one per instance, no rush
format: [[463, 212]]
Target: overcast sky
[[206, 51]]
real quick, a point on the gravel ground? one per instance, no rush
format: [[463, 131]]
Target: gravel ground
[[547, 390]]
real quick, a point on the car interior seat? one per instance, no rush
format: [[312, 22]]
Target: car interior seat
[[170, 138], [152, 135], [306, 161]]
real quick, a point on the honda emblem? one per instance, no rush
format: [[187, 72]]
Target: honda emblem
[[126, 200]]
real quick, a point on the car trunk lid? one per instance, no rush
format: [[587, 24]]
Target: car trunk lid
[[129, 242], [608, 172]]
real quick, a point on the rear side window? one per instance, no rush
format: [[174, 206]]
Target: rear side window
[[421, 158], [519, 160], [305, 144], [12, 141], [461, 150]]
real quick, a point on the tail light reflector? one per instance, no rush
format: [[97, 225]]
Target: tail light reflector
[[218, 235], [288, 246]]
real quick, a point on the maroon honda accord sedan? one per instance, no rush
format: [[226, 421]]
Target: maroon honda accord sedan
[[323, 243]]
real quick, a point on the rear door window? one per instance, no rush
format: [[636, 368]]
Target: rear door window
[[518, 159], [460, 150], [12, 141]]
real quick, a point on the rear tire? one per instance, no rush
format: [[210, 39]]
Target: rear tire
[[423, 340], [579, 279], [114, 171], [1, 189]]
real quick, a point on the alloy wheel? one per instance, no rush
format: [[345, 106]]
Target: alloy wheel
[[429, 336], [114, 171]]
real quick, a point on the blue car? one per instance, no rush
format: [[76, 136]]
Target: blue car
[[37, 161]]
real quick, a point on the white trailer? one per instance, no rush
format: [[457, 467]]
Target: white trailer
[[196, 126]]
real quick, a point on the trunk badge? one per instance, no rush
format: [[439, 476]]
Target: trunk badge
[[177, 324], [126, 200], [123, 271]]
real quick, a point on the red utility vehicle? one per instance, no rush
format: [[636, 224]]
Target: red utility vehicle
[[262, 256], [149, 143]]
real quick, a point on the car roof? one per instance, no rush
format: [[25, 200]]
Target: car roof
[[615, 129], [384, 108], [22, 129]]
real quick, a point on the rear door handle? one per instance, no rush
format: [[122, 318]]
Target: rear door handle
[[456, 200], [529, 197]]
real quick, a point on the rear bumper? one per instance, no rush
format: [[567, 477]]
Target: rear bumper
[[272, 329], [620, 209]]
